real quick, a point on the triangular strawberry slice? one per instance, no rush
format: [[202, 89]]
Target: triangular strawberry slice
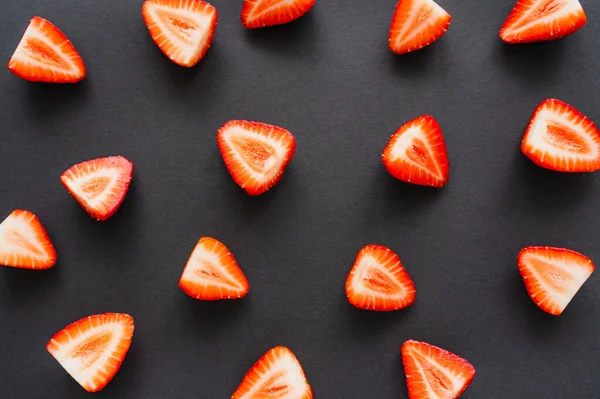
[[416, 153], [24, 242], [560, 138], [378, 281], [261, 13], [183, 30], [433, 373], [255, 153], [99, 185], [44, 54], [553, 276], [416, 24], [212, 273], [541, 20], [92, 349], [276, 375]]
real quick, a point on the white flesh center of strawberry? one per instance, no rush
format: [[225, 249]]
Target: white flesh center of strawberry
[[272, 5], [421, 15], [81, 186], [405, 141], [540, 137], [563, 8], [205, 261], [285, 372], [17, 237], [367, 266], [76, 360], [457, 379]]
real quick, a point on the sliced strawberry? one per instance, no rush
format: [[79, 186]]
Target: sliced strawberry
[[24, 242], [182, 29], [255, 153], [44, 54], [560, 138], [276, 375], [416, 153], [540, 20], [553, 276], [261, 13], [433, 373], [378, 281], [99, 185], [212, 273], [416, 24], [92, 349]]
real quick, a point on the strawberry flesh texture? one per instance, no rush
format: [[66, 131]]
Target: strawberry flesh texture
[[263, 13]]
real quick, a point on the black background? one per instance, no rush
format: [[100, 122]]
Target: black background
[[331, 80]]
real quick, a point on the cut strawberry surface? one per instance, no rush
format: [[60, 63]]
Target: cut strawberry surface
[[541, 20], [433, 373], [99, 185], [261, 13], [378, 281], [44, 54], [182, 29], [416, 24], [255, 153], [560, 138], [212, 273], [553, 276], [92, 349], [416, 153], [277, 375], [24, 242]]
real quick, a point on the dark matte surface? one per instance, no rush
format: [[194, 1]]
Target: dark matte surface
[[330, 79]]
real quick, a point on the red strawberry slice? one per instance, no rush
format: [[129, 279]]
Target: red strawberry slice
[[99, 185], [378, 281], [540, 20], [212, 273], [416, 24], [433, 373], [255, 153], [44, 54], [277, 375], [24, 242], [92, 349], [553, 276], [416, 153], [182, 29], [560, 138], [261, 13]]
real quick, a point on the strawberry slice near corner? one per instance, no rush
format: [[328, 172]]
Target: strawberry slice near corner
[[434, 373], [44, 54], [562, 139], [542, 20], [99, 185], [262, 13], [212, 273], [92, 349], [276, 375], [24, 242], [378, 281], [416, 24], [417, 154], [182, 29], [255, 154], [553, 276]]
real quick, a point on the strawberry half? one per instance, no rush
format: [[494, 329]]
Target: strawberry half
[[416, 24], [560, 138], [553, 276], [541, 20], [182, 29], [24, 242], [255, 153], [44, 54], [378, 281], [433, 373], [92, 349], [416, 153], [261, 13], [212, 273], [277, 375], [99, 185]]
